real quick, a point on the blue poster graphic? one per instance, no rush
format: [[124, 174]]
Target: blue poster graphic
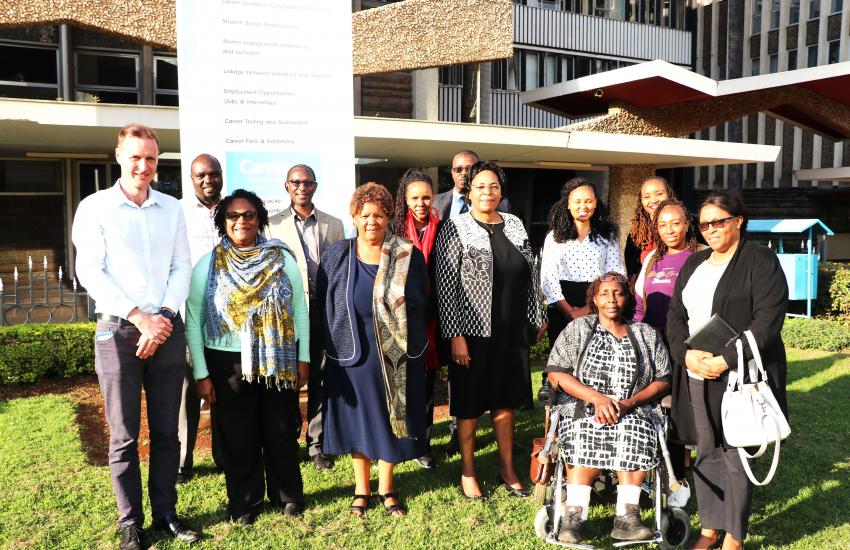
[[265, 174]]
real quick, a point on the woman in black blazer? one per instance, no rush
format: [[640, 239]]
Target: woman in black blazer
[[744, 283]]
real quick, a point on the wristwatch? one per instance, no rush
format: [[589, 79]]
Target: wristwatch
[[167, 313]]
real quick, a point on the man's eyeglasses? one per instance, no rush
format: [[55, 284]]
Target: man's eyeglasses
[[719, 223], [302, 183], [460, 169], [249, 215]]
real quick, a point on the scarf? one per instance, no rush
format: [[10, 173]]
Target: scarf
[[426, 245], [249, 293], [389, 312]]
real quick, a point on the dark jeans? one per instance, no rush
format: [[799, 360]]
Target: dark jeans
[[122, 376], [258, 428], [315, 395], [190, 415], [724, 492]]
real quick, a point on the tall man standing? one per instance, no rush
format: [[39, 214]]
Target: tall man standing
[[198, 212], [308, 231], [133, 258]]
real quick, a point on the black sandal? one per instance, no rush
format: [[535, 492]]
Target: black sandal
[[359, 511], [398, 506]]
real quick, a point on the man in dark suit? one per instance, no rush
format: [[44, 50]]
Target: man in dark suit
[[451, 203], [308, 231]]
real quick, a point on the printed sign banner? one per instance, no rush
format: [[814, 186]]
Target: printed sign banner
[[265, 85]]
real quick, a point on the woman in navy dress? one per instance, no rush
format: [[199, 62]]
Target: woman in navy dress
[[373, 289]]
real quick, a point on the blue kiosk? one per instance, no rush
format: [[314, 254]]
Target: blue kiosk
[[801, 263]]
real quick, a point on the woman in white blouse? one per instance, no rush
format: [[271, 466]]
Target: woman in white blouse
[[581, 246]]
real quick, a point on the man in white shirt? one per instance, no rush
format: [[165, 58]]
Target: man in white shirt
[[133, 259], [308, 231], [198, 210]]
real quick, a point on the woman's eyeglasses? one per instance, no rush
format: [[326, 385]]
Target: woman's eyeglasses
[[719, 223], [249, 215]]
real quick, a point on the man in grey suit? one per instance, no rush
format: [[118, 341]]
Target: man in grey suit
[[451, 203], [307, 231]]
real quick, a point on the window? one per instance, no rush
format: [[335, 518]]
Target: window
[[30, 176], [794, 12], [165, 81], [756, 16], [792, 60], [29, 72], [107, 77], [721, 72], [451, 75], [531, 70], [773, 63], [814, 9], [837, 6], [756, 61], [812, 55], [833, 51], [774, 14]]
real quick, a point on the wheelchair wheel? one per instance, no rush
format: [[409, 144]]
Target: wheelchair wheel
[[543, 521], [675, 528]]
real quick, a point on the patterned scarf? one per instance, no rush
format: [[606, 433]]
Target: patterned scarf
[[249, 293], [426, 245], [389, 311]]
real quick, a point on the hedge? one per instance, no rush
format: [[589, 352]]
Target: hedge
[[827, 334], [31, 352]]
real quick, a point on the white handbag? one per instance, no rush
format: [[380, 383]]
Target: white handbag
[[750, 414]]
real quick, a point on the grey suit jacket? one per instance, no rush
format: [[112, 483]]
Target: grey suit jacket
[[443, 204], [282, 226]]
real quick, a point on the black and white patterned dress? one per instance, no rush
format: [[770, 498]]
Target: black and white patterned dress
[[610, 367]]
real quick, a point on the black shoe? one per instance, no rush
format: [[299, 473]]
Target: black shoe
[[184, 475], [425, 461], [629, 526], [322, 461], [519, 493], [572, 526], [132, 537], [453, 447], [172, 525], [245, 518], [293, 509]]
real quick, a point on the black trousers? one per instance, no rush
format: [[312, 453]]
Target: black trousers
[[122, 376], [315, 393], [258, 428], [430, 379], [724, 492]]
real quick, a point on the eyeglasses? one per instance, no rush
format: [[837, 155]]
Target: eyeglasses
[[302, 183], [481, 188], [460, 169], [719, 223], [249, 215]]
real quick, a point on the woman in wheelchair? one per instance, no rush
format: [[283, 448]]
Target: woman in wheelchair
[[610, 375]]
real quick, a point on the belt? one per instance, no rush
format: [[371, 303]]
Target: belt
[[113, 319]]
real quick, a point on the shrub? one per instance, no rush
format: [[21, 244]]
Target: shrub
[[821, 334], [839, 291], [30, 352], [540, 350]]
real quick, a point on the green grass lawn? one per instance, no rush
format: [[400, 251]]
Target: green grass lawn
[[50, 497]]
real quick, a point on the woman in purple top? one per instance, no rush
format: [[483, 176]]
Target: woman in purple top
[[675, 241]]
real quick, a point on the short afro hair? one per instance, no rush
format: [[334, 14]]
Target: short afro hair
[[374, 193], [612, 276]]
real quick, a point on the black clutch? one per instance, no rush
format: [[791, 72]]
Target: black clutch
[[713, 336]]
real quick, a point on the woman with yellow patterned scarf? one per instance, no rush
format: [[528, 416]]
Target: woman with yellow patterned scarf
[[248, 332]]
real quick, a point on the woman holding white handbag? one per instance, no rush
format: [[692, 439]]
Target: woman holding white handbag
[[741, 282]]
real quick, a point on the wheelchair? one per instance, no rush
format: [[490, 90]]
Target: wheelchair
[[667, 495]]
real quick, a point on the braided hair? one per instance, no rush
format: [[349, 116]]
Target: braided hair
[[642, 229], [410, 175], [561, 219], [690, 234]]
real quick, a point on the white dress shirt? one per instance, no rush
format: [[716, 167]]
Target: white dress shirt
[[200, 228], [576, 260], [132, 256], [458, 202]]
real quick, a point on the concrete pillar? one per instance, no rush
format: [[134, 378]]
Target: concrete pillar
[[624, 181], [426, 102]]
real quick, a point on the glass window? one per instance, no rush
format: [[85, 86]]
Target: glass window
[[28, 72], [755, 62], [814, 9], [833, 51], [773, 63], [794, 14], [28, 92], [756, 16], [812, 55], [550, 69], [792, 60], [531, 71], [30, 176], [774, 14], [582, 66], [97, 69], [168, 180], [106, 96], [837, 6], [165, 81], [721, 72], [451, 75]]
